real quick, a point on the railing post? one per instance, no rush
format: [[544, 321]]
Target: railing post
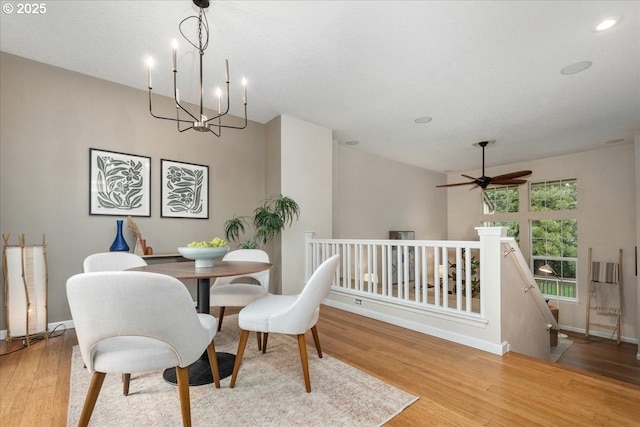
[[490, 278], [308, 236]]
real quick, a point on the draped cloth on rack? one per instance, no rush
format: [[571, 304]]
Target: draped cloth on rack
[[605, 286]]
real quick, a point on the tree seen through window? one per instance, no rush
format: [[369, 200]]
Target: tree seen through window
[[555, 241]]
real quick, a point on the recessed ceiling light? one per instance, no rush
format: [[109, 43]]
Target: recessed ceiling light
[[352, 142], [575, 67], [423, 120], [608, 23]]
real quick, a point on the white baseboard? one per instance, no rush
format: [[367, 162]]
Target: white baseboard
[[599, 334], [499, 349], [66, 324], [57, 326]]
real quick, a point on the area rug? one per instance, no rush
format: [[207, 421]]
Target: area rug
[[563, 345], [269, 391]]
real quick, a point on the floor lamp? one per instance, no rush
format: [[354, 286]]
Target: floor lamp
[[549, 270], [25, 289]]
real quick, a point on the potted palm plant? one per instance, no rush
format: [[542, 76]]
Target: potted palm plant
[[268, 220], [475, 280]]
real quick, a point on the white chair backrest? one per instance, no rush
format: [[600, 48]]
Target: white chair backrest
[[308, 301], [133, 303], [255, 255], [112, 261]]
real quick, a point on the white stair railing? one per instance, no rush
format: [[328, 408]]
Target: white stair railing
[[476, 293], [435, 275]]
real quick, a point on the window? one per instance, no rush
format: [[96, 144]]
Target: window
[[554, 196], [555, 241], [502, 200]]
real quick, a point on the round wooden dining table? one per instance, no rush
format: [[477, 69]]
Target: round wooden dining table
[[200, 371]]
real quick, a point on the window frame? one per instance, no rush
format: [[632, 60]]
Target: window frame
[[542, 279], [490, 219], [486, 199]]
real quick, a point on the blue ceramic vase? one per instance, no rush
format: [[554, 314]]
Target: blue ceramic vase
[[119, 244]]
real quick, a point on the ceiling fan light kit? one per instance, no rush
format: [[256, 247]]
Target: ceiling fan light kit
[[199, 121], [484, 181]]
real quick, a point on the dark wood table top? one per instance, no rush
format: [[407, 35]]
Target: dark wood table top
[[188, 270]]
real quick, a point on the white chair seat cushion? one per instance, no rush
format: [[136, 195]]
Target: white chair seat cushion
[[132, 354], [235, 294], [269, 314], [141, 354]]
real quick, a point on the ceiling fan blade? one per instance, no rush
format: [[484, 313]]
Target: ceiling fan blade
[[508, 182], [486, 181], [511, 175], [456, 184]]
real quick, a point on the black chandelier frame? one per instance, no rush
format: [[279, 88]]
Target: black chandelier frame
[[201, 122]]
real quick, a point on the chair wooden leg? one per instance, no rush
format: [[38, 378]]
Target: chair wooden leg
[[265, 337], [236, 366], [259, 337], [302, 345], [126, 378], [92, 396], [213, 363], [220, 316], [316, 340], [182, 374]]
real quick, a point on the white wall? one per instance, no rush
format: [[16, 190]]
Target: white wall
[[373, 195], [305, 173], [44, 182], [637, 157], [50, 117], [606, 217], [273, 187]]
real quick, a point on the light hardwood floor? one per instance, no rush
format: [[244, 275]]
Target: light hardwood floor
[[457, 385]]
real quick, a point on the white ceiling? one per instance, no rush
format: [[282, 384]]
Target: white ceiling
[[366, 69]]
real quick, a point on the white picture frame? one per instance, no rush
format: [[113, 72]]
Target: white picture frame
[[119, 183], [184, 190]]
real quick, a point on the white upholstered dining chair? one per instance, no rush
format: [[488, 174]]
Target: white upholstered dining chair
[[112, 261], [131, 321], [244, 289], [288, 314]]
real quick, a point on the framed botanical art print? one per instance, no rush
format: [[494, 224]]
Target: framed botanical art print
[[119, 183], [184, 190]]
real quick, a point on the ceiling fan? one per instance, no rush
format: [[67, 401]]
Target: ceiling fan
[[484, 181]]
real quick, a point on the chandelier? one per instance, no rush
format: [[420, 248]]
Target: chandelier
[[185, 119]]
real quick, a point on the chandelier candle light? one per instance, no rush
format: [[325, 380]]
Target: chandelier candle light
[[199, 122]]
